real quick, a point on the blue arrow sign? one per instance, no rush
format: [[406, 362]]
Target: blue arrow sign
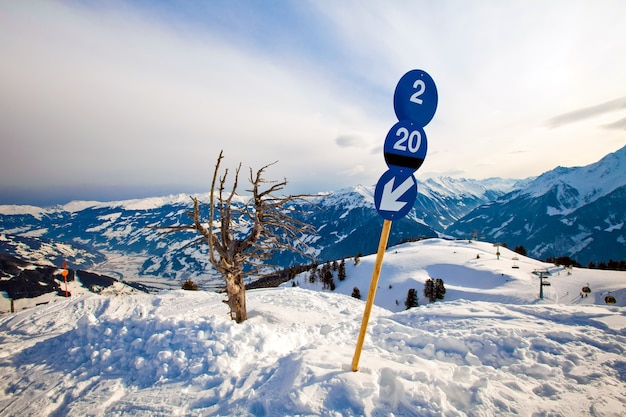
[[416, 97], [405, 146], [395, 194]]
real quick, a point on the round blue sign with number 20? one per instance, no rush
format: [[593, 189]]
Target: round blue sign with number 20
[[405, 146], [415, 97]]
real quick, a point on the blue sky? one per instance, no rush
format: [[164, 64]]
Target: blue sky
[[124, 99]]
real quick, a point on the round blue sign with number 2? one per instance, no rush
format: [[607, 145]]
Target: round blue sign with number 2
[[415, 97]]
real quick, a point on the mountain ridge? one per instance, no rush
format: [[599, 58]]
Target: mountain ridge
[[554, 214], [346, 221], [600, 178], [577, 212]]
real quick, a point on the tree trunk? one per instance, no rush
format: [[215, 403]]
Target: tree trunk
[[236, 291]]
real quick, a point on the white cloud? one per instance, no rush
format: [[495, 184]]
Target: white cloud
[[589, 112], [351, 141], [502, 69], [151, 105], [155, 100]]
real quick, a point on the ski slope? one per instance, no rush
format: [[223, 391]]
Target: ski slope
[[472, 270]]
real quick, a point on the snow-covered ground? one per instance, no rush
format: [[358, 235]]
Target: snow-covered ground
[[473, 271], [492, 348]]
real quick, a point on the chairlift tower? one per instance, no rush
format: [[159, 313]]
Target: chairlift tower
[[497, 245], [542, 275]]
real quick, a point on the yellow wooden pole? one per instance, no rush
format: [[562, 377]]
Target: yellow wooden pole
[[382, 246]]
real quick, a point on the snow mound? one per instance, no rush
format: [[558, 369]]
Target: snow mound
[[178, 353]]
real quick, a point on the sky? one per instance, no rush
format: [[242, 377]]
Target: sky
[[129, 99]]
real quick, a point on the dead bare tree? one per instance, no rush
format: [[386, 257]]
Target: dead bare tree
[[246, 235]]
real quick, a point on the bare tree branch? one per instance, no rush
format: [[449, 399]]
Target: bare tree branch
[[250, 235]]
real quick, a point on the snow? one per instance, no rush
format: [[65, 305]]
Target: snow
[[10, 210], [589, 183], [157, 202], [613, 227], [491, 348], [448, 186], [472, 271], [78, 205], [132, 204], [140, 204], [348, 198], [152, 203]]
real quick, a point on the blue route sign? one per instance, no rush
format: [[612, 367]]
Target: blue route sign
[[405, 146], [416, 97], [415, 102], [395, 194]]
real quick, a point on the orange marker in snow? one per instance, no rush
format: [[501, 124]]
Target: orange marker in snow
[[64, 273]]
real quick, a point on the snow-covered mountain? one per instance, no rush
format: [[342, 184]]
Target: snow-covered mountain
[[491, 348], [93, 234], [443, 201], [578, 212]]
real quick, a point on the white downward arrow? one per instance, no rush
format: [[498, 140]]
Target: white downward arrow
[[389, 199]]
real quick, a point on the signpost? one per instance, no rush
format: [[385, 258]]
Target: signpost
[[415, 101]]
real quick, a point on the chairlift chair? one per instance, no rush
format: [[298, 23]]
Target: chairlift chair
[[609, 299]]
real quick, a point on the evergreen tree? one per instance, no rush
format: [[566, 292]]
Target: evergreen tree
[[313, 275], [439, 289], [429, 290], [335, 265], [434, 290], [411, 299], [341, 274], [520, 249], [292, 272], [356, 293], [326, 275], [190, 285], [324, 278]]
